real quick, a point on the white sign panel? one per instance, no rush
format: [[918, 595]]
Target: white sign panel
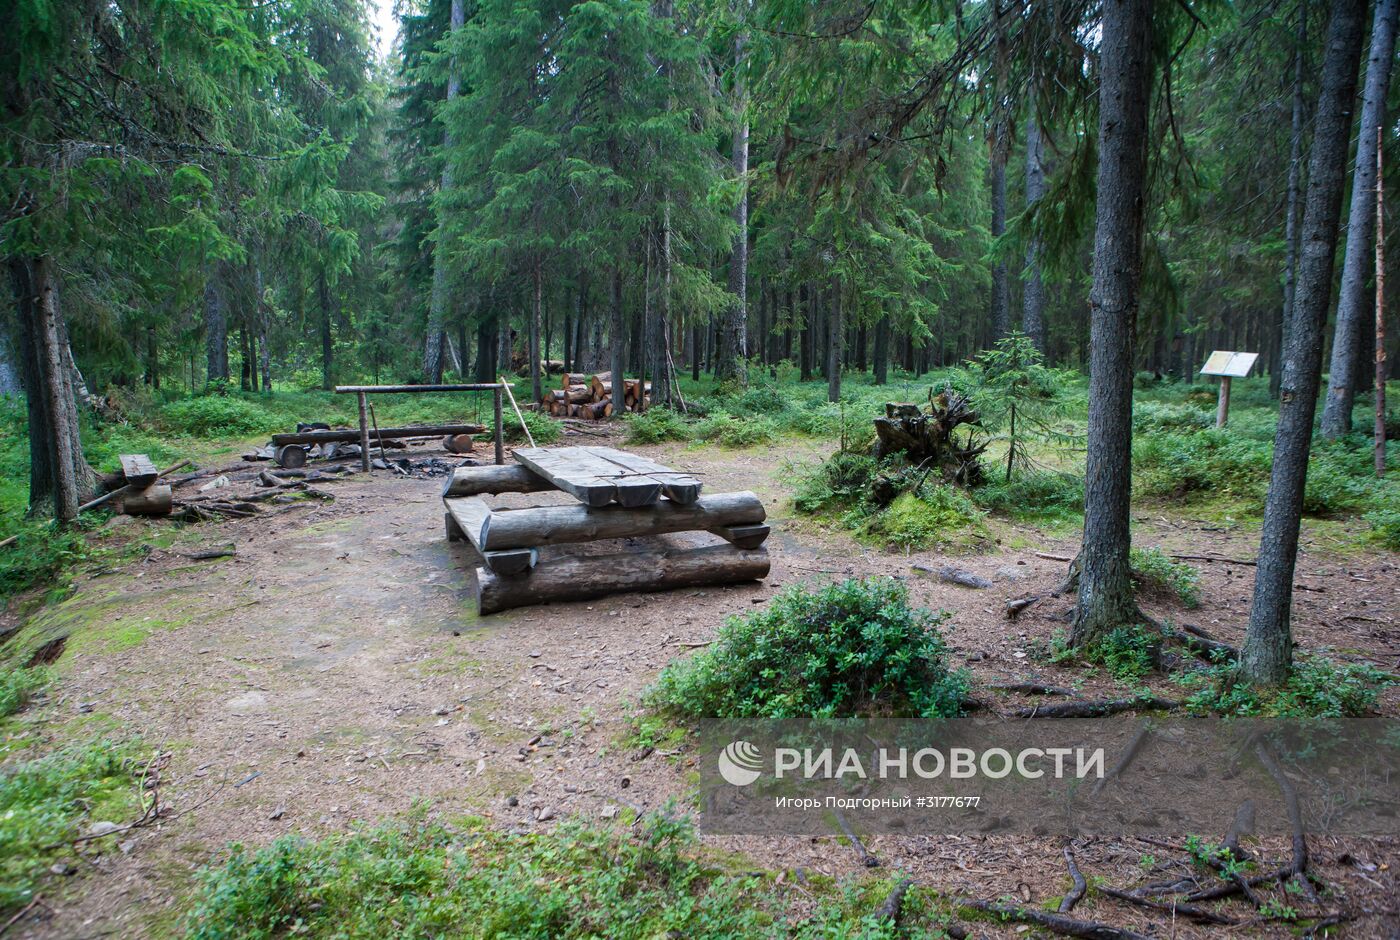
[[1235, 365]]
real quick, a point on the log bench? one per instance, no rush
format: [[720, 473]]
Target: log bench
[[618, 496]]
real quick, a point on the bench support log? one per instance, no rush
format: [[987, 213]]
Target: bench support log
[[577, 578], [493, 530], [507, 478]]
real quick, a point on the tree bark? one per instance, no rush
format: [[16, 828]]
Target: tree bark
[[732, 359], [260, 311], [834, 340], [536, 385], [1268, 646], [323, 294], [1105, 580], [59, 476], [881, 353], [441, 290], [215, 328], [617, 341], [1001, 291], [1294, 204], [1033, 294], [1354, 304]]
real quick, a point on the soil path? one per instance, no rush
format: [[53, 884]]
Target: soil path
[[334, 671]]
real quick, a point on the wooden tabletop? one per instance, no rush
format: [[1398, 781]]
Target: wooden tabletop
[[597, 476]]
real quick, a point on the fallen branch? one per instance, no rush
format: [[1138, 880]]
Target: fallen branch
[[1031, 688], [866, 859], [1049, 557], [1056, 923], [227, 551], [950, 575], [1096, 708], [1172, 907], [889, 910], [1076, 894], [1015, 608], [1220, 558], [1124, 762], [21, 913]]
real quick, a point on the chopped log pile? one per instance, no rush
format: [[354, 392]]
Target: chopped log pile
[[589, 397], [925, 436]]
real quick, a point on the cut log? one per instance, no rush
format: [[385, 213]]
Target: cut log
[[152, 501], [512, 562], [602, 385], [570, 379], [505, 478], [457, 443], [554, 525], [352, 435], [576, 394], [138, 470], [744, 536], [581, 578], [290, 456]]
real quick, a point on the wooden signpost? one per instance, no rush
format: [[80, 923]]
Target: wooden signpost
[[1227, 365]]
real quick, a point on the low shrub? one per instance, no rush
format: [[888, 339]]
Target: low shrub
[[42, 552], [656, 425], [937, 515], [732, 431], [1127, 653], [1043, 494], [1155, 572], [1317, 687], [1161, 416], [18, 686], [1385, 526], [851, 648], [543, 428], [841, 481], [1172, 464], [213, 415], [46, 801]]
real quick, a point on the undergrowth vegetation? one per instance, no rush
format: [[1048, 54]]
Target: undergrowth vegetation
[[47, 801], [1155, 572], [422, 879], [1317, 687], [19, 685], [851, 648]]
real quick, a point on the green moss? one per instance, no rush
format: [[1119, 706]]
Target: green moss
[[937, 516]]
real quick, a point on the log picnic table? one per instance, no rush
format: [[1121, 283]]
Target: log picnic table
[[619, 496]]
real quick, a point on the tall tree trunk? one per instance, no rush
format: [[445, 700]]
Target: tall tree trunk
[[59, 476], [440, 297], [505, 344], [881, 355], [1105, 579], [1033, 295], [1001, 290], [1354, 305], [804, 342], [215, 328], [485, 352], [1294, 205], [323, 294], [245, 360], [569, 332], [1268, 645], [536, 384], [260, 311], [834, 340], [619, 346], [662, 378], [732, 362]]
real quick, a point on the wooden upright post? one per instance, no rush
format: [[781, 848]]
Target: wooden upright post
[[364, 434], [1222, 409], [500, 431]]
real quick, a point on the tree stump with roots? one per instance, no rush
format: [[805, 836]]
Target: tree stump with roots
[[925, 436]]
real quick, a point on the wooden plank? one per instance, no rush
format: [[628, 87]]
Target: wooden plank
[[580, 577], [473, 518], [138, 470], [553, 525], [573, 470], [744, 536], [506, 478], [676, 484]]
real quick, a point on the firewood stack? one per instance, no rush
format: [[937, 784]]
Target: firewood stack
[[590, 396]]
